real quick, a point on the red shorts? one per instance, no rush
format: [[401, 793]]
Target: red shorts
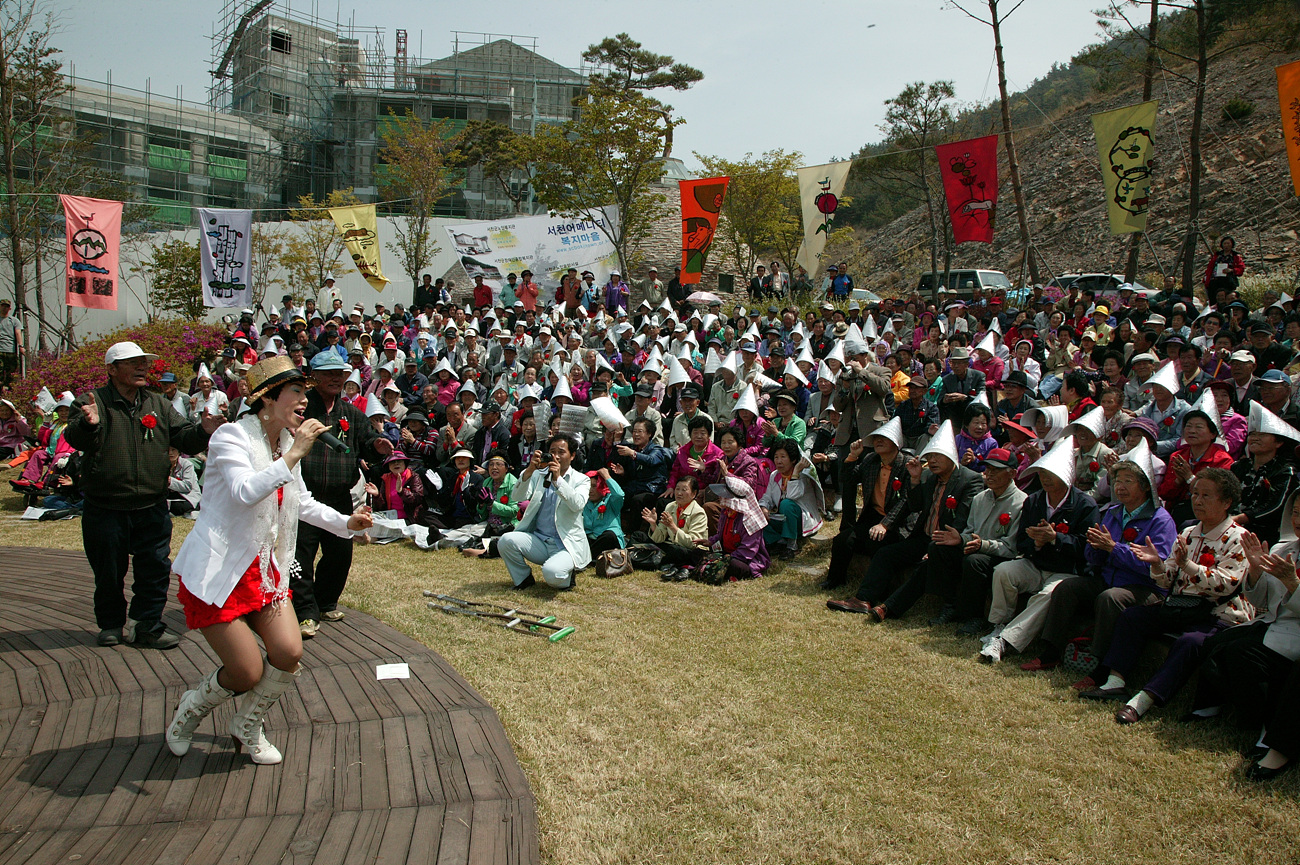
[[248, 597]]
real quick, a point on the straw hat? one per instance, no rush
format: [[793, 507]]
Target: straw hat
[[270, 373], [944, 443], [1058, 461]]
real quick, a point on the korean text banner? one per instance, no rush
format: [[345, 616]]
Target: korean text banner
[[224, 253], [94, 229], [701, 202], [358, 227], [970, 185], [546, 245], [820, 187], [1288, 95], [1124, 143]]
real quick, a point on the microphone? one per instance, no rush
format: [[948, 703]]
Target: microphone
[[332, 442]]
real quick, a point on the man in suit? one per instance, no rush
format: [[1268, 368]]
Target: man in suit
[[551, 531], [959, 386], [757, 290], [941, 497], [865, 401], [1051, 541]]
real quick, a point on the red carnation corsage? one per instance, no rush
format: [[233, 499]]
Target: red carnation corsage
[[1206, 560], [149, 422], [600, 509], [950, 503], [1130, 535], [1094, 466], [343, 424], [896, 484], [736, 395], [1063, 528], [1169, 421], [1004, 519], [505, 500], [1193, 387], [1114, 436], [931, 391]]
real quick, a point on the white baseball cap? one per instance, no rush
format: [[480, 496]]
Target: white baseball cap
[[126, 351]]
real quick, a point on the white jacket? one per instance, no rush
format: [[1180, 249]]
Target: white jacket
[[573, 490], [220, 547]]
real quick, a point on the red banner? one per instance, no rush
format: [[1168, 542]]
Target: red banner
[[701, 203], [94, 235], [970, 183]]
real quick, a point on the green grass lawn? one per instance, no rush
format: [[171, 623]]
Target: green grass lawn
[[747, 724]]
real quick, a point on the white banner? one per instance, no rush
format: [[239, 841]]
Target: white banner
[[820, 188], [224, 253], [546, 245]]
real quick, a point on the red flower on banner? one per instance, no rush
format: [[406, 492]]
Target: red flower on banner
[[1206, 560], [896, 484], [1169, 421], [1063, 528], [1094, 466], [1130, 535], [600, 509], [950, 503], [343, 424], [1004, 519]]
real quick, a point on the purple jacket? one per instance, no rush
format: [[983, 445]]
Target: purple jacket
[[981, 448], [1120, 567], [751, 553], [615, 296], [749, 469], [712, 471]]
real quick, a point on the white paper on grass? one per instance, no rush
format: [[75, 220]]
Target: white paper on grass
[[392, 671]]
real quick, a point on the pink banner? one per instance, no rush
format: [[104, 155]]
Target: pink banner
[[94, 235]]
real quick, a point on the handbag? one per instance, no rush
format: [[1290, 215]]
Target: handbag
[[613, 563], [712, 570], [645, 557], [1180, 613]]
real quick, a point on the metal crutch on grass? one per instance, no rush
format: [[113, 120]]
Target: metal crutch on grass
[[520, 621]]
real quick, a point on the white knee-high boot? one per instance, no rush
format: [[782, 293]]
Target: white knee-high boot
[[195, 705], [246, 726]]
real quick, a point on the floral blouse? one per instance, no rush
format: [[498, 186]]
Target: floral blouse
[[1216, 566]]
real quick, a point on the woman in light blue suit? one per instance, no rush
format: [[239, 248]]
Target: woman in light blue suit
[[551, 531]]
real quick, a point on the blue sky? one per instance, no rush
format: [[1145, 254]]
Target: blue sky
[[808, 76]]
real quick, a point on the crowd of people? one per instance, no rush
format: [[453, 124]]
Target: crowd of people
[[1071, 477]]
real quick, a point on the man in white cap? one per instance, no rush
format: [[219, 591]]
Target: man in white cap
[[124, 430], [1052, 539]]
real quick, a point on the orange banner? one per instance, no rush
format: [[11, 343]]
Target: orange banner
[[701, 203], [1288, 96]]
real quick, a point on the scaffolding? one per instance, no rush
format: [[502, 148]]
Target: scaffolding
[[171, 153], [325, 90]]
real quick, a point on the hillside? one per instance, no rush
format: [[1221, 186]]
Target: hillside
[[1246, 188]]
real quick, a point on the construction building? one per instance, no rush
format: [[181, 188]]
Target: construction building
[[298, 105]]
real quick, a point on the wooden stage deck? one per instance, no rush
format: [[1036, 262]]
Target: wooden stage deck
[[393, 771]]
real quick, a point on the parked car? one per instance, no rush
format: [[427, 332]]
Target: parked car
[[988, 280], [1101, 283]]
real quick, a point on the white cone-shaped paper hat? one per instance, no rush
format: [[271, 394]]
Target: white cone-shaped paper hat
[[1206, 406], [655, 355], [855, 332], [752, 333], [806, 356], [731, 362], [684, 353], [1058, 417], [837, 352], [608, 413], [562, 389], [707, 324], [653, 366], [989, 343], [676, 372], [468, 385], [944, 443], [355, 377], [793, 369], [602, 363], [981, 398], [444, 364], [889, 327], [1094, 421], [67, 398], [747, 400], [893, 431], [1167, 378], [712, 362], [825, 371], [1263, 420], [203, 372], [1140, 456], [374, 406], [1059, 460], [870, 332], [995, 326]]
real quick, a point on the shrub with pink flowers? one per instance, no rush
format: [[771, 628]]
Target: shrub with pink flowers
[[177, 343]]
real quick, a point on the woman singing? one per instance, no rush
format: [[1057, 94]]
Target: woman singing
[[233, 567]]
